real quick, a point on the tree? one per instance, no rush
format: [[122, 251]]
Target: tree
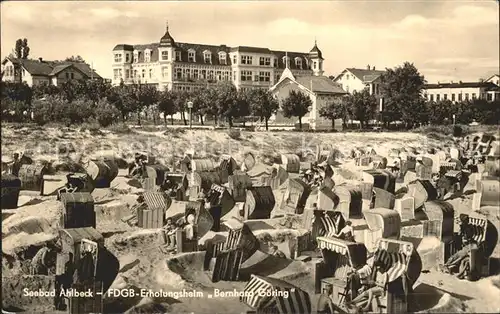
[[16, 99], [336, 109], [296, 105], [180, 100], [262, 104], [226, 96], [44, 89], [106, 113], [26, 49], [19, 49], [166, 104], [77, 59], [401, 89], [361, 106], [144, 96]]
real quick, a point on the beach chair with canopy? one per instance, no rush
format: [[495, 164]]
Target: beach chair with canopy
[[382, 223], [340, 258], [403, 266], [271, 295], [477, 263], [203, 222]]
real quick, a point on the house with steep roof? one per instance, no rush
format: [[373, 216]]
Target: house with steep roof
[[355, 80], [173, 65], [40, 71], [320, 89], [495, 79]]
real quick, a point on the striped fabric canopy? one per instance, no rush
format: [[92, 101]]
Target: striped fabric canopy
[[297, 302], [396, 261], [328, 225], [479, 227], [333, 245]]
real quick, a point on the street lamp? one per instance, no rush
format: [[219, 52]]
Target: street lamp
[[454, 119], [190, 106]]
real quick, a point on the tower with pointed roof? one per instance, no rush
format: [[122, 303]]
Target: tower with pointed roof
[[316, 59]]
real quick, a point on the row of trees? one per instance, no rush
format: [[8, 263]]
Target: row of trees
[[76, 102]]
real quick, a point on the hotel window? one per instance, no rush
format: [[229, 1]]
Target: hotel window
[[127, 57], [147, 56], [218, 75], [298, 63], [265, 61], [164, 72], [489, 97], [135, 73], [136, 57], [473, 95], [466, 96], [286, 61], [438, 97], [127, 73], [143, 73], [207, 57], [164, 55], [226, 76], [211, 75], [235, 76], [235, 60], [178, 73], [191, 56], [178, 56], [246, 59], [186, 73], [195, 74], [445, 97], [246, 75], [431, 97], [315, 66], [460, 97], [118, 57], [275, 62], [150, 73], [264, 76], [222, 58], [203, 74], [452, 97]]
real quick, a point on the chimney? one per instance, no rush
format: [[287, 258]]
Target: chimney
[[40, 59], [368, 67], [373, 68]]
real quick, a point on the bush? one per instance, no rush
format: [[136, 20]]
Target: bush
[[235, 134], [106, 113], [457, 131]]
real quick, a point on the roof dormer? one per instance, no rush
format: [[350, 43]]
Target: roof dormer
[[298, 62], [207, 56], [222, 57], [147, 55], [191, 55], [286, 61], [136, 56]]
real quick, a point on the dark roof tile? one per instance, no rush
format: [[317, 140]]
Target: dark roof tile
[[49, 68], [319, 84], [361, 73], [461, 85]]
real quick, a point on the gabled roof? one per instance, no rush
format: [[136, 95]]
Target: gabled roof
[[314, 84], [364, 75], [489, 78], [50, 68], [319, 84]]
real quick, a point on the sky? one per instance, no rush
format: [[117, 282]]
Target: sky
[[447, 40]]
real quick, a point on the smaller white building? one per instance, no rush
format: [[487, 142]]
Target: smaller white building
[[356, 80], [320, 89], [462, 91]]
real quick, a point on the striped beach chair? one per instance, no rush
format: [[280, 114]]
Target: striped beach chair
[[401, 261], [270, 295]]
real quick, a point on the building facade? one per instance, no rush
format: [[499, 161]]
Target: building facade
[[35, 72], [320, 89], [183, 66], [462, 91], [495, 79], [355, 80]]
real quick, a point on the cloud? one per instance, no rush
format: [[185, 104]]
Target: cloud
[[111, 13]]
